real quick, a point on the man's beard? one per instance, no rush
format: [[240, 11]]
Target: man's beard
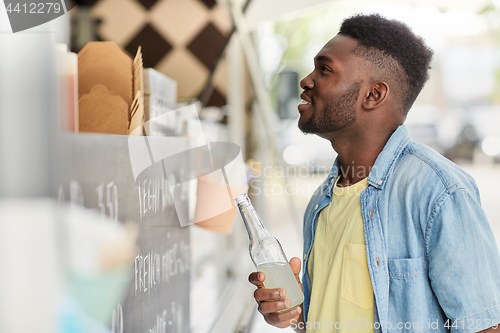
[[336, 115]]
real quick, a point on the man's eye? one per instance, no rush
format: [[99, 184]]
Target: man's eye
[[325, 68]]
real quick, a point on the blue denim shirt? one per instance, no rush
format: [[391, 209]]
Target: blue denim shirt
[[430, 250]]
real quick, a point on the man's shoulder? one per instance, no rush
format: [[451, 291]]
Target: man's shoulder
[[420, 163]]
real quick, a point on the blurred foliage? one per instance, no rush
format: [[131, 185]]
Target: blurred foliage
[[490, 7], [298, 36]]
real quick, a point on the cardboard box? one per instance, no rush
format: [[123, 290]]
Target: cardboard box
[[104, 113], [110, 89]]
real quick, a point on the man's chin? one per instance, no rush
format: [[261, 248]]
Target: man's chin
[[307, 127]]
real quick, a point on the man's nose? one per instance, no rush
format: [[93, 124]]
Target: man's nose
[[307, 83]]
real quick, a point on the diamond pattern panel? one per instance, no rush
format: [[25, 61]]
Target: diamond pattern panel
[[179, 20], [220, 17], [148, 3], [181, 38], [121, 19], [209, 3], [70, 4], [216, 99], [154, 46], [187, 70], [209, 45]]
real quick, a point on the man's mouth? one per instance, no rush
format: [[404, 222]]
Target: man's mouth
[[305, 103], [305, 99]]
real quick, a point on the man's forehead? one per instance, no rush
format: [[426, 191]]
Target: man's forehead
[[338, 48]]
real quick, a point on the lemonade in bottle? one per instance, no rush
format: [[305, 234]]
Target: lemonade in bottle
[[267, 254]]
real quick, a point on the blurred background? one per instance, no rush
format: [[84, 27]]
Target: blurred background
[[241, 63]]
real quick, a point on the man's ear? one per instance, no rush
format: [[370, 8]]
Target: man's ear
[[376, 95]]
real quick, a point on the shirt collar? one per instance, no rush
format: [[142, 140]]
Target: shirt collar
[[385, 160]]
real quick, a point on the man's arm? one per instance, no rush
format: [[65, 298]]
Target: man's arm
[[273, 300], [464, 262]]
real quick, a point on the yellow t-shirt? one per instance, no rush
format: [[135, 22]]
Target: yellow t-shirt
[[341, 290]]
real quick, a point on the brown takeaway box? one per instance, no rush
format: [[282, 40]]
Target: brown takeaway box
[[110, 89]]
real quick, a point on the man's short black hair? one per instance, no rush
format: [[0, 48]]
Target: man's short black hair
[[380, 38]]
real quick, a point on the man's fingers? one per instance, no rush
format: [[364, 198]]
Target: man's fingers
[[257, 279], [274, 306], [263, 294], [282, 319], [295, 265], [273, 300]]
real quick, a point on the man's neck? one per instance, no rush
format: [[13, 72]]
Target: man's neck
[[357, 154]]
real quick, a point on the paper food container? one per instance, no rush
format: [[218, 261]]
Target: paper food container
[[110, 87]]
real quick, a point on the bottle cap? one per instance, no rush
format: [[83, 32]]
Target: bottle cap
[[242, 200]]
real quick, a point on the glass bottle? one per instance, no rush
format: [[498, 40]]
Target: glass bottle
[[267, 254]]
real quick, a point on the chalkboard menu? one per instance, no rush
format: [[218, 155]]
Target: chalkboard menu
[[98, 174]]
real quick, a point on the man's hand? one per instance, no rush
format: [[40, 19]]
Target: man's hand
[[273, 300]]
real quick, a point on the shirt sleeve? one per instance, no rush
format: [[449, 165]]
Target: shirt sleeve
[[464, 262]]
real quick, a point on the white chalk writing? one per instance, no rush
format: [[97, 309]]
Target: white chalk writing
[[174, 321], [152, 268]]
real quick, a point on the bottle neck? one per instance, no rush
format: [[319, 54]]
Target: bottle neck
[[253, 224], [263, 247]]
